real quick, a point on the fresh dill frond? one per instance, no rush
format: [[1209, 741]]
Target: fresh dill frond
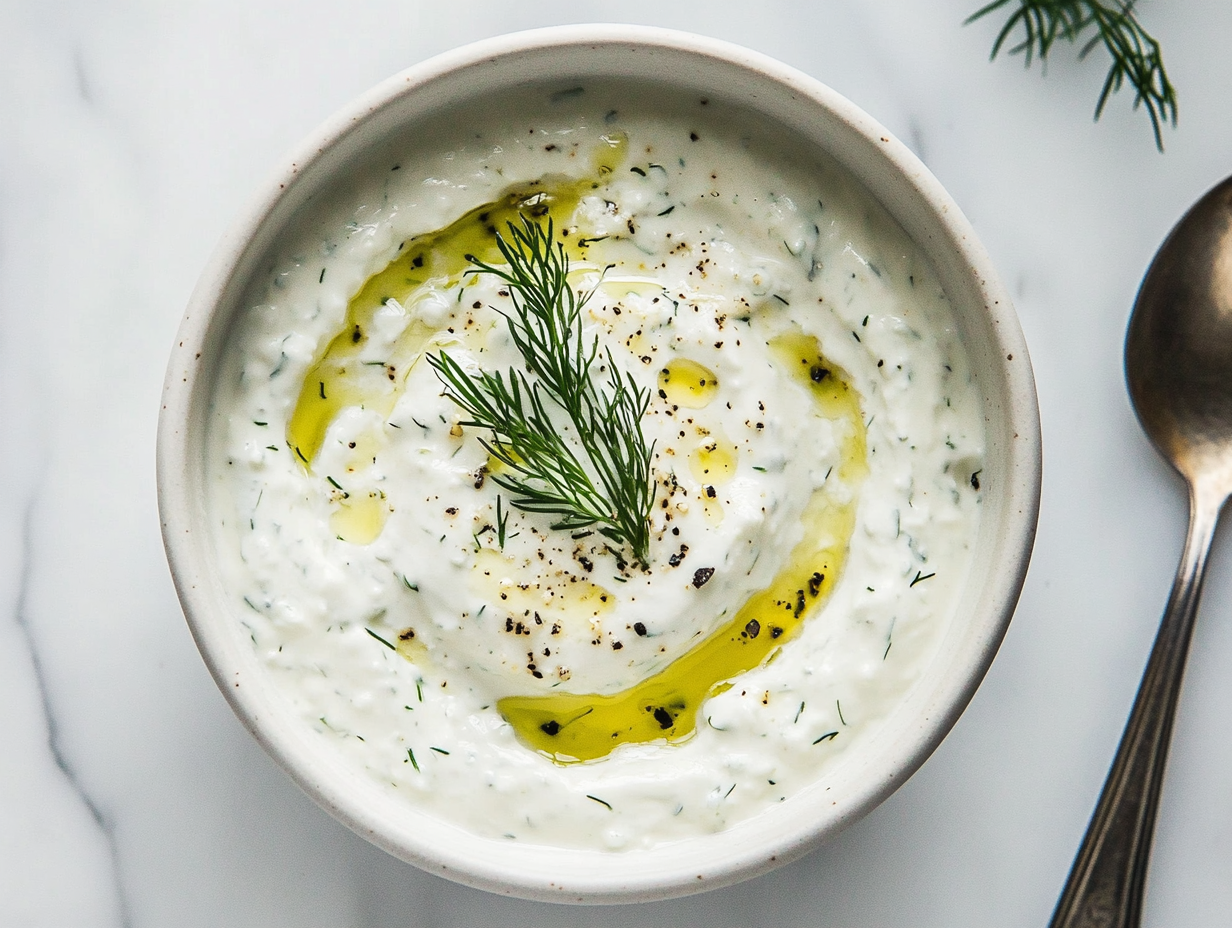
[[1136, 56], [608, 485]]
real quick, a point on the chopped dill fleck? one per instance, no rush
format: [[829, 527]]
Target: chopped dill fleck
[[419, 688], [334, 483], [760, 470], [798, 712], [380, 639], [840, 712], [502, 523], [411, 757], [410, 586], [440, 751], [828, 736], [920, 578], [255, 422], [600, 801]]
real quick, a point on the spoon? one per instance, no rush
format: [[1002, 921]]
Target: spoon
[[1178, 362]]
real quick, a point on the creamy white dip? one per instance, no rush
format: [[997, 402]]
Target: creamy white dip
[[395, 609]]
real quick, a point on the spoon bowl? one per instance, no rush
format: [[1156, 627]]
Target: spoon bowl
[[1178, 351]]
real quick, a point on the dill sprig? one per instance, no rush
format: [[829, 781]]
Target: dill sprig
[[1136, 56], [608, 485]]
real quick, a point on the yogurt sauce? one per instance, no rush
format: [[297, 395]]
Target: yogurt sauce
[[817, 450]]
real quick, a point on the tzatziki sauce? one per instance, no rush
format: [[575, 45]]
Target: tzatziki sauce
[[817, 449]]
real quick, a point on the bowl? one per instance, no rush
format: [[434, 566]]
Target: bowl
[[812, 116]]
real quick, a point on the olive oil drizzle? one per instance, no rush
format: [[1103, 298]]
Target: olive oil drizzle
[[579, 727], [684, 382], [343, 378]]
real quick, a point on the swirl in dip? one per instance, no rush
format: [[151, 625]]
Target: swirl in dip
[[816, 460]]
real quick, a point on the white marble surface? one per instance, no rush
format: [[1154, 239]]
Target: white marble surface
[[130, 134]]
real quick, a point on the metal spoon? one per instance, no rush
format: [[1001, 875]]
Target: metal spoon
[[1178, 361]]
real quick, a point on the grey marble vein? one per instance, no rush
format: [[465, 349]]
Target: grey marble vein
[[54, 744], [79, 73]]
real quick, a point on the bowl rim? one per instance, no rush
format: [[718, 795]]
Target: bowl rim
[[664, 871]]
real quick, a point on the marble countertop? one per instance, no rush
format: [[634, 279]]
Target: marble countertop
[[132, 134]]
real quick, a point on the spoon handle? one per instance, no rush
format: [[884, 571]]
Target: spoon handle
[[1105, 885]]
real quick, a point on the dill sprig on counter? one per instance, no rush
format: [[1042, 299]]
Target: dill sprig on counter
[[609, 484], [1136, 56]]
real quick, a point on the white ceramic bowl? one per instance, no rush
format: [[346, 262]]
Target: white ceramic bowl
[[818, 118]]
